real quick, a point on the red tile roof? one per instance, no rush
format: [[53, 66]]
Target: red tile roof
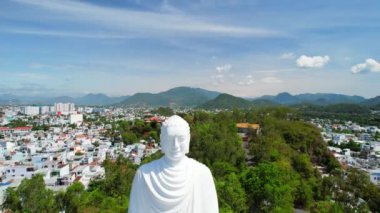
[[25, 128], [20, 128]]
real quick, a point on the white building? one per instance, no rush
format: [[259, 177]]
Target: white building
[[64, 108], [31, 110], [52, 109], [88, 109], [20, 171], [76, 119], [339, 138], [44, 110], [375, 176]]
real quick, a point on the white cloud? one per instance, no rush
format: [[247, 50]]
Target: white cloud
[[224, 68], [246, 80], [288, 56], [222, 72], [217, 79], [370, 65], [271, 80], [312, 61], [119, 23]]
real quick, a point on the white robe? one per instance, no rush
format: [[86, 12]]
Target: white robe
[[185, 188]]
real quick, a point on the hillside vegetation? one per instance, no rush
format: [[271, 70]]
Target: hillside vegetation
[[284, 175], [179, 96], [226, 101], [344, 112]]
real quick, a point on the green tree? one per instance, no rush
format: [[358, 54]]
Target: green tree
[[216, 140], [353, 146], [118, 177], [152, 157], [270, 187], [165, 111], [31, 196], [17, 123], [129, 137], [301, 163], [59, 200], [12, 201], [353, 191], [74, 198], [123, 125], [326, 207], [231, 195], [303, 194], [154, 135]]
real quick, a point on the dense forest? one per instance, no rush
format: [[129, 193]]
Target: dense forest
[[291, 168]]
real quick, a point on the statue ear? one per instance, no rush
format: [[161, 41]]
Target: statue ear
[[163, 143], [188, 143]]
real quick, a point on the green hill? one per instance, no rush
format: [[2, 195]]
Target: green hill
[[323, 99], [179, 96], [263, 103], [146, 99], [338, 109], [373, 103], [226, 101]]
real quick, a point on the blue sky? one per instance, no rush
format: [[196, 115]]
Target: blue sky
[[245, 48]]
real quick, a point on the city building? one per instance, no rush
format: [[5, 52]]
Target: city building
[[44, 110], [31, 110], [64, 108], [76, 119], [245, 128]]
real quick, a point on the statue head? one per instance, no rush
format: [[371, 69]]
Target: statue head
[[175, 138]]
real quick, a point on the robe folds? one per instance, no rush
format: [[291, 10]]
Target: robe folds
[[184, 188]]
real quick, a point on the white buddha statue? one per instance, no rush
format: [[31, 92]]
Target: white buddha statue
[[174, 183]]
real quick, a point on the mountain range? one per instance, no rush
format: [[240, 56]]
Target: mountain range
[[318, 99], [195, 97], [176, 97], [226, 101], [89, 99]]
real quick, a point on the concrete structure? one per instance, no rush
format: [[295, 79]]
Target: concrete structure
[[16, 130], [375, 176], [64, 108], [25, 171], [31, 110], [245, 128], [44, 110], [173, 183], [76, 119], [52, 109]]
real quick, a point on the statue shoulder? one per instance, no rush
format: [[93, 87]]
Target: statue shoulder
[[203, 169], [149, 167]]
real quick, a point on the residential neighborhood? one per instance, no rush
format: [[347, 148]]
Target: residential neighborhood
[[66, 144], [353, 145], [68, 150]]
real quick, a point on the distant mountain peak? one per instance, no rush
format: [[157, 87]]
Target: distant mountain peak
[[226, 101], [190, 97], [178, 96], [284, 94], [316, 98]]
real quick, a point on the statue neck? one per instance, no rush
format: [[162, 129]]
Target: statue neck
[[174, 163]]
